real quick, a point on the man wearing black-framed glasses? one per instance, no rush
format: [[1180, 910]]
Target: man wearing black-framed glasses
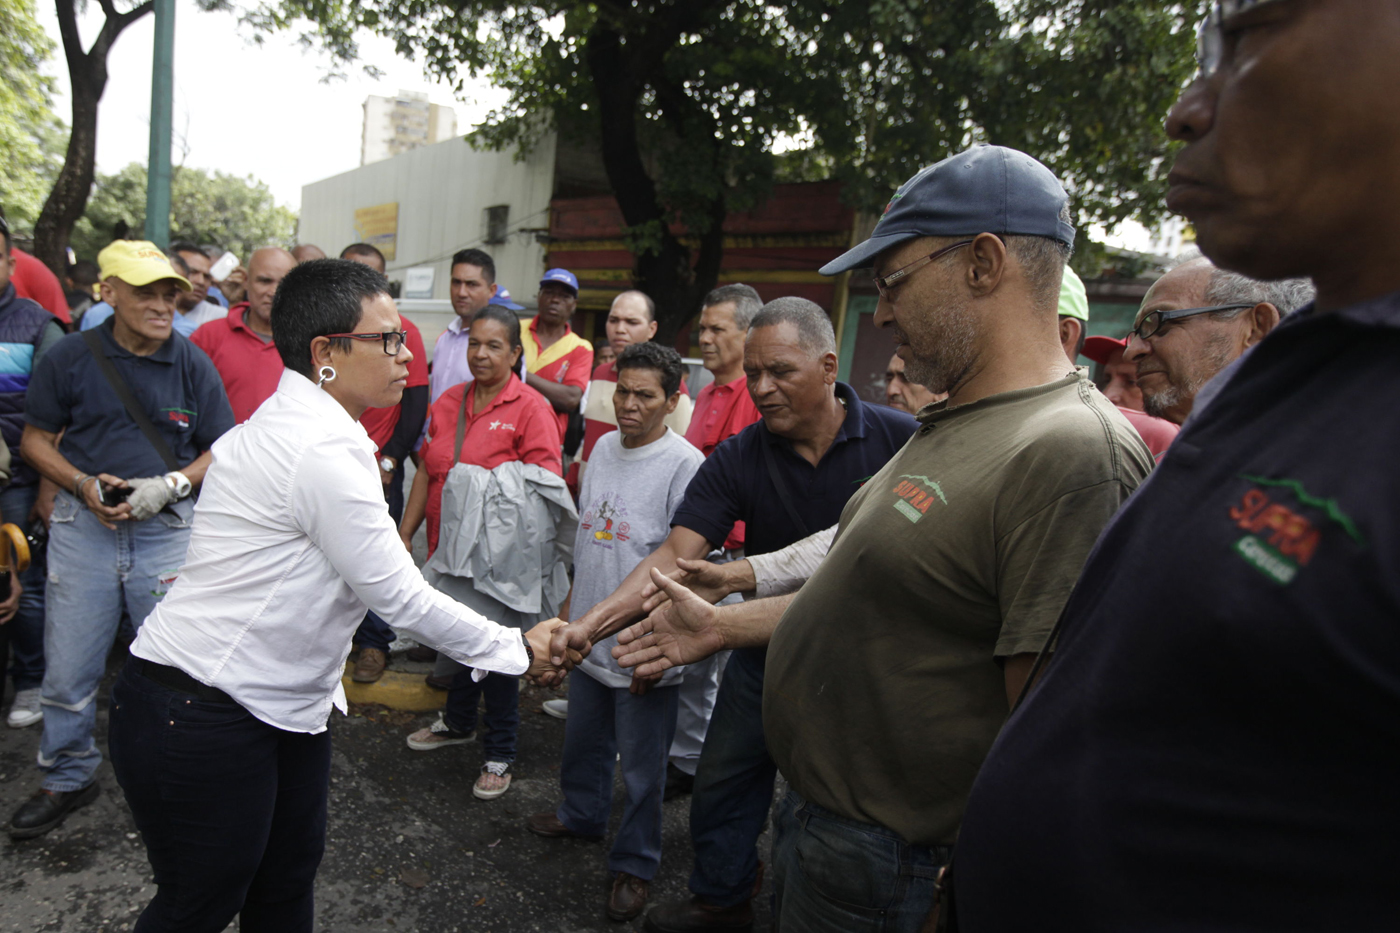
[[1194, 322]]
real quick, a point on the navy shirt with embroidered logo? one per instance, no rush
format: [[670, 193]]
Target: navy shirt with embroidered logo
[[177, 386], [1216, 745], [734, 483]]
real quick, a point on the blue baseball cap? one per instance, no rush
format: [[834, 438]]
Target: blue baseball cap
[[563, 277], [987, 189], [502, 298]]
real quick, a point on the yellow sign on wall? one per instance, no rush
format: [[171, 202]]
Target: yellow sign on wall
[[379, 227]]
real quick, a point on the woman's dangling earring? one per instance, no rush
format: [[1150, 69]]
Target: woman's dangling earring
[[327, 374]]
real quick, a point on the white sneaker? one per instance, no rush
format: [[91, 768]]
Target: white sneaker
[[26, 710], [559, 709]]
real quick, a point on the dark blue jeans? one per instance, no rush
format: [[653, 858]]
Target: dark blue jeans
[[232, 810], [835, 875], [374, 632], [733, 786], [500, 723], [603, 723], [26, 630]]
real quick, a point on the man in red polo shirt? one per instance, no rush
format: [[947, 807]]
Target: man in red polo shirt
[[557, 360], [723, 407], [632, 319], [241, 344]]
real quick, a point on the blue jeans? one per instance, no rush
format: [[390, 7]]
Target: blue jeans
[[834, 875], [232, 810], [500, 722], [733, 786], [26, 629], [95, 573], [374, 632], [603, 722]]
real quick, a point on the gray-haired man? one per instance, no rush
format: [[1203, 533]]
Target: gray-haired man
[[1194, 322]]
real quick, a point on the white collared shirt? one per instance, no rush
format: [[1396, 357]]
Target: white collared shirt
[[292, 541]]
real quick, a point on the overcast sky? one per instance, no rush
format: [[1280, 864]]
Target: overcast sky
[[243, 108]]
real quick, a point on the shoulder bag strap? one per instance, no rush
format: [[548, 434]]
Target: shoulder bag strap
[[133, 408], [461, 430], [779, 484]]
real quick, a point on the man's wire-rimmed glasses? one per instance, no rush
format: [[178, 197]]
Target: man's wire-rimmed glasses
[[885, 284], [393, 340], [1151, 323]]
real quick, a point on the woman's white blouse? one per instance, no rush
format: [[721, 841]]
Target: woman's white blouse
[[291, 543]]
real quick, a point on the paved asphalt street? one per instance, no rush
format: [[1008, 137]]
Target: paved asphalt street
[[408, 847]]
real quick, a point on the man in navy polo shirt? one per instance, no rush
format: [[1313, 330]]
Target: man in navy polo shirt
[[115, 542], [786, 476], [1214, 745]]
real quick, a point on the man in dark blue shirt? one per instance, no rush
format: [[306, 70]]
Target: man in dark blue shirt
[[1214, 745], [115, 542], [786, 476]]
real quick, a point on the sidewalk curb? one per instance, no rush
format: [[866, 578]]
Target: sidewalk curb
[[396, 690]]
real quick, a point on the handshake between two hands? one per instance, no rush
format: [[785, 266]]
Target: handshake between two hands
[[680, 628]]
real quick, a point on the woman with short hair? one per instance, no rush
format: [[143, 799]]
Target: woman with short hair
[[218, 723]]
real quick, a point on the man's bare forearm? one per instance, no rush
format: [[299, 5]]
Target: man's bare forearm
[[624, 606], [750, 624]]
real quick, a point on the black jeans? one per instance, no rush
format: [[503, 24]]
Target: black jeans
[[232, 810]]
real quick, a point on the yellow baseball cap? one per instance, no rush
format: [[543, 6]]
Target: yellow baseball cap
[[1074, 301], [137, 262]]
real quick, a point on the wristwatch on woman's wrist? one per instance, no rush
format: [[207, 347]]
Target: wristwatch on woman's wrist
[[529, 652]]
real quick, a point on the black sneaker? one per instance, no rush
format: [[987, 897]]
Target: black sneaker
[[47, 809]]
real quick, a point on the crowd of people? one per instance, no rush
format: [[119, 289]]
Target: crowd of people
[[1032, 650]]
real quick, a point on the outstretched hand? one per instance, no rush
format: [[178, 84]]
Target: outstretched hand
[[545, 670], [711, 582], [682, 631]]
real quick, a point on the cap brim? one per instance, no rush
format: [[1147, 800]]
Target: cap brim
[[136, 280], [1100, 349], [863, 256], [544, 282]]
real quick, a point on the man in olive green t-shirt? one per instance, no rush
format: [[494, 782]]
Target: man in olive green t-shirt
[[895, 665]]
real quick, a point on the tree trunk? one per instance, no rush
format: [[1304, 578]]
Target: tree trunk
[[87, 73], [664, 272]]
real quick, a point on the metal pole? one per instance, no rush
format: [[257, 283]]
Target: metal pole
[[162, 112]]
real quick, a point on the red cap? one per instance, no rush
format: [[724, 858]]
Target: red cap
[[1101, 349]]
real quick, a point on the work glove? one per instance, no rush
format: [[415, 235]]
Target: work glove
[[149, 495]]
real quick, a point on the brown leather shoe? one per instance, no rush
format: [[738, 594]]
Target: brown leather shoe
[[439, 683], [628, 897], [422, 654], [551, 827], [370, 667], [695, 916]]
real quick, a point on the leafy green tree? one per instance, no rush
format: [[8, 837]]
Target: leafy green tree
[[31, 137], [687, 98], [236, 213]]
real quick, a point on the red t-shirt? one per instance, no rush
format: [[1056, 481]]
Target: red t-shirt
[[34, 281], [518, 424], [379, 423], [721, 411], [566, 361], [250, 366], [1156, 433]]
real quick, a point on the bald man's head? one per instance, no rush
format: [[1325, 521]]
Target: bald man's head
[[266, 268], [307, 252], [631, 320]]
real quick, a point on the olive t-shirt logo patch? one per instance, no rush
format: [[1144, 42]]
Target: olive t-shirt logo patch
[[916, 493]]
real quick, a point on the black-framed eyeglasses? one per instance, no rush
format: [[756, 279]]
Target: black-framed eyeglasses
[[393, 340], [1210, 38], [885, 284], [1152, 321]]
